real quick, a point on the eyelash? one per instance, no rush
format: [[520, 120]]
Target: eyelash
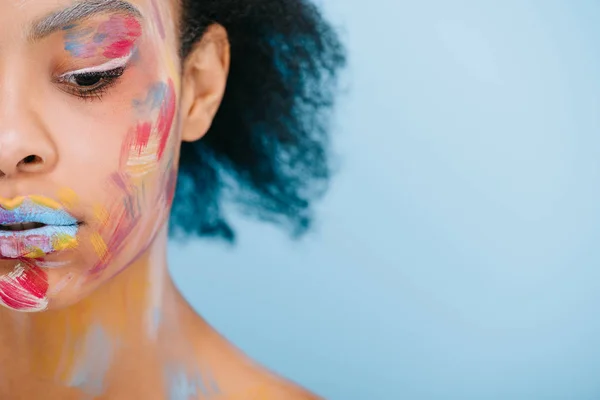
[[106, 79]]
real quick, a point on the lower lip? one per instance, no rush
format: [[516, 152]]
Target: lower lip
[[36, 243]]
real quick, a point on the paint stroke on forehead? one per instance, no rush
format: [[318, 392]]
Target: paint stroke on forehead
[[114, 38], [24, 288]]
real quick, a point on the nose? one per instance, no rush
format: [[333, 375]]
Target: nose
[[25, 146], [22, 155]]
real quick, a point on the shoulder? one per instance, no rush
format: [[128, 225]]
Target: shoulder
[[273, 390], [240, 378]]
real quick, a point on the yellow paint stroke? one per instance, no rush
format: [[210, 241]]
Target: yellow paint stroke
[[173, 71], [62, 241], [140, 163], [68, 197], [99, 245], [34, 252], [45, 201], [101, 214], [11, 204]]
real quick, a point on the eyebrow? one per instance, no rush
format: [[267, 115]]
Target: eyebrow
[[76, 12]]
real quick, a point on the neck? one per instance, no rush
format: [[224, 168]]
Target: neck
[[132, 320]]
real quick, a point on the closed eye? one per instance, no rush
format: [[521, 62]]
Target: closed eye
[[93, 82]]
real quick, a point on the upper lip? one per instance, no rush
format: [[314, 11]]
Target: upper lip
[[24, 213]]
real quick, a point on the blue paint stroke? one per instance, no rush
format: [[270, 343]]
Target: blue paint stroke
[[94, 362], [184, 386], [156, 319], [99, 37], [75, 48], [154, 99], [74, 34]]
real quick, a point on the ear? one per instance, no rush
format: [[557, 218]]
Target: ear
[[205, 72]]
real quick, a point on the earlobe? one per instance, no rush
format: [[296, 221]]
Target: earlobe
[[203, 83]]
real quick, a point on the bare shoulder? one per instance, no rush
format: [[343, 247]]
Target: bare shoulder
[[274, 389], [240, 378], [289, 391]]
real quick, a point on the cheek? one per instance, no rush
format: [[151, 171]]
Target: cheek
[[145, 145], [145, 179]]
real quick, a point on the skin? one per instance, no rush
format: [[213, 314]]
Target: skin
[[112, 324]]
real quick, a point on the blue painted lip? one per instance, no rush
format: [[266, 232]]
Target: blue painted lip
[[29, 211], [35, 240], [48, 231]]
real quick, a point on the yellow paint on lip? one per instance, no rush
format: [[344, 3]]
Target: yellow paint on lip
[[99, 245], [63, 242], [34, 252], [11, 204]]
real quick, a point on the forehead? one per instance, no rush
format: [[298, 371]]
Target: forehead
[[46, 14]]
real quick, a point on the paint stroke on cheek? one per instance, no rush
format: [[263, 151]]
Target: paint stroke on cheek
[[165, 119], [158, 20], [139, 154], [126, 218], [146, 143], [24, 288]]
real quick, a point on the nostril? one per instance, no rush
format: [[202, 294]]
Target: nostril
[[32, 159], [31, 163]]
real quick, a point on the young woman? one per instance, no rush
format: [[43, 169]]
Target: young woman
[[108, 108]]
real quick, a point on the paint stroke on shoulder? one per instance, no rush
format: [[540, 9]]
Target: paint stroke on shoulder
[[183, 385]]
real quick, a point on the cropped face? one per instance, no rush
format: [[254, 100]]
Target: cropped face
[[89, 141]]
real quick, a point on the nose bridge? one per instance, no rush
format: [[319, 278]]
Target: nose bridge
[[25, 144]]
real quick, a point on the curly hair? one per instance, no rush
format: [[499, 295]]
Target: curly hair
[[268, 147]]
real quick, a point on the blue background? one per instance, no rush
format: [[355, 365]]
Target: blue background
[[456, 255]]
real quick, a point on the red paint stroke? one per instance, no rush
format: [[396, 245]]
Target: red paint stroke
[[134, 29], [158, 19], [121, 35], [118, 49], [123, 228], [165, 118], [17, 293], [120, 181], [142, 137], [126, 222]]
